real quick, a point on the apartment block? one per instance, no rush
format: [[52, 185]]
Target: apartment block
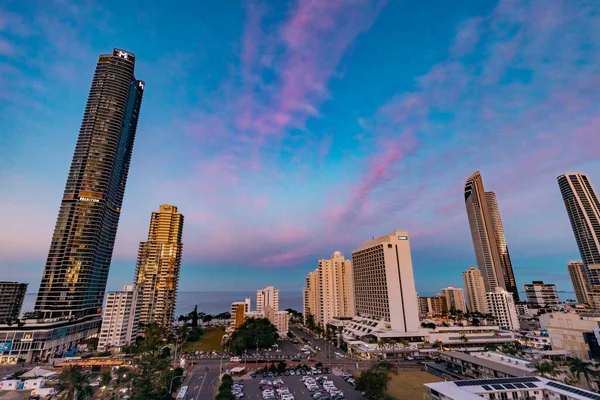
[[542, 294], [120, 320], [12, 295], [455, 299], [501, 305], [475, 287]]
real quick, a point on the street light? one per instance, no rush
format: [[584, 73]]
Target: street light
[[172, 379]]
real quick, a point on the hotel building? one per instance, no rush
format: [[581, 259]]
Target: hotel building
[[120, 320], [158, 264]]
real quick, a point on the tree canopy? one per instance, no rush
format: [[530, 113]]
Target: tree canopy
[[254, 332], [74, 384], [374, 381]]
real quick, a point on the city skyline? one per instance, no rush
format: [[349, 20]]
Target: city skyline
[[376, 142]]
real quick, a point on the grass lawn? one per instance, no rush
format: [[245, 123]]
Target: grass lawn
[[408, 385], [211, 340]]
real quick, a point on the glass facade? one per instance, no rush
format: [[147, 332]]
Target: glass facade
[[78, 262]]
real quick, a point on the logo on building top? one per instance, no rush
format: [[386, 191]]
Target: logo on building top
[[402, 237], [89, 199], [123, 54], [141, 85]]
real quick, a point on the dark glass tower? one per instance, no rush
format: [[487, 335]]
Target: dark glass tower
[[583, 209], [489, 240], [80, 253]]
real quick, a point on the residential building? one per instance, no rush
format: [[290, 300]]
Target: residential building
[[475, 288], [76, 270], [384, 284], [579, 279], [12, 295], [158, 265], [312, 297], [542, 294], [501, 305], [238, 312], [120, 319], [522, 308], [575, 333], [268, 296], [489, 241], [527, 387], [332, 289], [432, 306], [455, 299], [583, 208]]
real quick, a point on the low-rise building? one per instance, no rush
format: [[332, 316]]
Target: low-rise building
[[479, 365], [542, 294], [528, 387], [120, 320], [576, 333]]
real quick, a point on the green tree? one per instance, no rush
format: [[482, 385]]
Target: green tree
[[225, 389], [545, 369], [579, 367], [207, 318], [74, 384], [252, 333], [374, 381], [281, 367], [105, 378], [194, 316], [310, 321], [152, 377]]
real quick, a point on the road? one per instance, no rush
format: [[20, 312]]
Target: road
[[202, 384]]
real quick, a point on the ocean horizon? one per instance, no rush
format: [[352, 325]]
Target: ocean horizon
[[217, 302]]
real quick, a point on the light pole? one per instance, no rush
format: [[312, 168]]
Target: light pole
[[171, 385]]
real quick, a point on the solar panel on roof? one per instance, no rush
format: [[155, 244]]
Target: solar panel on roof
[[571, 389], [529, 384], [520, 386], [486, 387], [509, 386], [498, 387], [480, 382]]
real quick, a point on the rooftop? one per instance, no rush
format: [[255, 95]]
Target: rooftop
[[493, 361]]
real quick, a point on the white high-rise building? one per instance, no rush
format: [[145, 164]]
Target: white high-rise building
[[455, 298], [542, 294], [501, 305], [475, 288], [120, 320], [579, 280], [268, 296], [329, 290], [384, 283]]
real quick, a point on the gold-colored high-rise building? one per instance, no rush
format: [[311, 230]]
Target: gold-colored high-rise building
[[158, 264], [475, 288]]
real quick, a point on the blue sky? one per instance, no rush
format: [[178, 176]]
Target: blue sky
[[286, 130]]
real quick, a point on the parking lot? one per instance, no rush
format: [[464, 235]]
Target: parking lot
[[297, 388]]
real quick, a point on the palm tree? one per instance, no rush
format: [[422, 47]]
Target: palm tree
[[579, 367], [463, 337], [74, 383], [546, 368]]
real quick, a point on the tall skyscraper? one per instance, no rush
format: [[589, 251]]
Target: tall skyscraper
[[579, 280], [489, 241], [312, 296], [384, 283], [455, 298], [158, 264], [76, 270], [334, 290], [583, 209], [120, 320], [475, 290]]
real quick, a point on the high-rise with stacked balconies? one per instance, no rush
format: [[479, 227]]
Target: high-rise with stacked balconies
[[158, 264], [489, 241], [81, 248], [583, 209]]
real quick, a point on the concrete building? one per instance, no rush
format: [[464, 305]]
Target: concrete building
[[267, 297], [501, 305], [12, 295], [475, 288], [583, 209], [542, 294], [432, 306], [480, 365], [384, 284], [312, 296], [120, 319], [158, 264], [455, 299], [489, 240], [528, 387], [577, 334], [238, 312], [579, 280], [331, 290]]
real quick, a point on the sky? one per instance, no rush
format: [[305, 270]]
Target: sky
[[287, 130]]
